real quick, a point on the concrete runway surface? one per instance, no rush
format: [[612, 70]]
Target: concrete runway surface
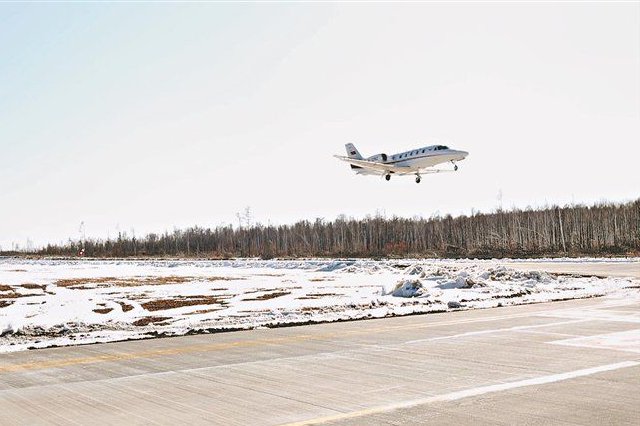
[[572, 362]]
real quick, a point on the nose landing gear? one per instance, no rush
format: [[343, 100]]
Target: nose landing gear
[[455, 166], [418, 178], [387, 177]]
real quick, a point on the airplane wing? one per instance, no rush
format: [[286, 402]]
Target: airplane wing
[[384, 168], [426, 171], [377, 166]]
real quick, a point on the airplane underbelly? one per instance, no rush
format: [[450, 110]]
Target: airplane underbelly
[[368, 172], [425, 162], [430, 161]]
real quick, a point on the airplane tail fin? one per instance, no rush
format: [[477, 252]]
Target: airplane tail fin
[[352, 151]]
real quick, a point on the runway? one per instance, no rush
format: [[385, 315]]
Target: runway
[[571, 362]]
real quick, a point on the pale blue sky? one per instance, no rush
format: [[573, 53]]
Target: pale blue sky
[[150, 116]]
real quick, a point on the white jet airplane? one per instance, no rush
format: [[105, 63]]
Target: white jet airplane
[[412, 162]]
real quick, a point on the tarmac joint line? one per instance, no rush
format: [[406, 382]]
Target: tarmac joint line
[[466, 393]]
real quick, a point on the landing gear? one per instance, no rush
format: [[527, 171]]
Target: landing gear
[[455, 166], [418, 179], [387, 177]]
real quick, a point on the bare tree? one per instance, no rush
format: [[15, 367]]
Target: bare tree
[[600, 229]]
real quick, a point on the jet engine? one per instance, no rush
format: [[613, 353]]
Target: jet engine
[[381, 158]]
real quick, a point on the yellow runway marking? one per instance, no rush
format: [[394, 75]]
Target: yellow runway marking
[[58, 363]]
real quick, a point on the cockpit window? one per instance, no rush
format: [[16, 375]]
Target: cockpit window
[[441, 147]]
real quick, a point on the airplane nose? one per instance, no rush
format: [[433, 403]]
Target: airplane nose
[[462, 154]]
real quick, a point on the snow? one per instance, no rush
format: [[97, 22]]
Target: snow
[[46, 302]]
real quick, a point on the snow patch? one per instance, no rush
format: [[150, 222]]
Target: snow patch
[[46, 302]]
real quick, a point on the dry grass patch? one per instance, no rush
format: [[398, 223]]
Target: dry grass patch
[[313, 309], [5, 303], [149, 320], [257, 290], [162, 304], [4, 287], [350, 286], [267, 296], [80, 283], [318, 295], [103, 310], [120, 282], [205, 311], [125, 306], [14, 295], [32, 286]]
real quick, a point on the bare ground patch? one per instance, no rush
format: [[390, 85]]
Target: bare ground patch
[[125, 306], [350, 286], [5, 303], [32, 286], [4, 287], [205, 311], [103, 310], [257, 290], [162, 304], [15, 295], [149, 320], [318, 295], [81, 283], [267, 296]]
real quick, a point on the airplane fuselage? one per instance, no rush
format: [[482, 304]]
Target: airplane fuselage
[[413, 162], [419, 158]]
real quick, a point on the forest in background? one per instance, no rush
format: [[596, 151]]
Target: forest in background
[[604, 229]]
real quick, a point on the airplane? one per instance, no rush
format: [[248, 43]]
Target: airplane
[[413, 162]]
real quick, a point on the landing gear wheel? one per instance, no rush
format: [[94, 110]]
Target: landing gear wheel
[[387, 177], [455, 167], [417, 179]]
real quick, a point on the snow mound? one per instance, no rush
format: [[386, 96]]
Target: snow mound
[[334, 266], [409, 288]]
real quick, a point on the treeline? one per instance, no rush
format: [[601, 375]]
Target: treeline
[[601, 229]]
